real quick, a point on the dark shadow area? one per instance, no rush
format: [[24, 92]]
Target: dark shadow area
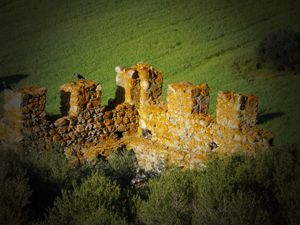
[[280, 51], [119, 98], [65, 102], [120, 95], [53, 117], [264, 117], [146, 133], [11, 80]]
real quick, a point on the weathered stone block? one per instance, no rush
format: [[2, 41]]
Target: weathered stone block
[[139, 84], [79, 95], [185, 99], [236, 110]]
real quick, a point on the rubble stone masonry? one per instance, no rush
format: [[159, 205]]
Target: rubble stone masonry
[[179, 131]]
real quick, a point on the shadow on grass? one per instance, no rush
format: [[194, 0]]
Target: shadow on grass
[[11, 80], [264, 117]]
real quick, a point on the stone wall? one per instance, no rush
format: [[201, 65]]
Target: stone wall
[[179, 131], [83, 123], [183, 121], [24, 116]]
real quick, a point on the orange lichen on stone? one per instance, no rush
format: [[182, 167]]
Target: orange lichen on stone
[[154, 155], [185, 99], [101, 150], [141, 84], [236, 110]]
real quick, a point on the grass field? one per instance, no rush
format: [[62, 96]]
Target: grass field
[[214, 41]]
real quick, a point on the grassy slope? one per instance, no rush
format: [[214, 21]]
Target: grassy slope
[[209, 41]]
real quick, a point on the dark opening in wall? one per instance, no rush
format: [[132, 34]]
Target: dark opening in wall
[[119, 134], [243, 100], [135, 75], [119, 98], [213, 145], [146, 133], [271, 142], [65, 102]]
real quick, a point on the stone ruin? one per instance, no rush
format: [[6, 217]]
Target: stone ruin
[[176, 132]]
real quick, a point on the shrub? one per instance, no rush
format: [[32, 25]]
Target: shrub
[[95, 197], [14, 190], [280, 50], [101, 217], [283, 166], [169, 199], [48, 172], [122, 167], [227, 193]]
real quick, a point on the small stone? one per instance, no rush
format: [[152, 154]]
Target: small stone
[[80, 128], [56, 137], [52, 132], [61, 122]]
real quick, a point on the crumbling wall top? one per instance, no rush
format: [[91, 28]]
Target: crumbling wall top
[[79, 95], [235, 110], [34, 91], [139, 85]]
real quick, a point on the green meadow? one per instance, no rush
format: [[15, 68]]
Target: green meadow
[[202, 41]]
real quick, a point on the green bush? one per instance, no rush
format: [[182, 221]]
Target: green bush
[[238, 189], [283, 166], [95, 197], [169, 199], [122, 167], [14, 190], [48, 172], [101, 217], [227, 193], [280, 50]]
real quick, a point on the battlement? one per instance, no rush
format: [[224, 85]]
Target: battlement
[[236, 110], [180, 127], [141, 84], [79, 95], [185, 99]]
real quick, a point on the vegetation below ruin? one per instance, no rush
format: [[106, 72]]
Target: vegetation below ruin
[[42, 188]]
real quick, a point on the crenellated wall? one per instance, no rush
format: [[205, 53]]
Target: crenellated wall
[[83, 121], [179, 131]]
